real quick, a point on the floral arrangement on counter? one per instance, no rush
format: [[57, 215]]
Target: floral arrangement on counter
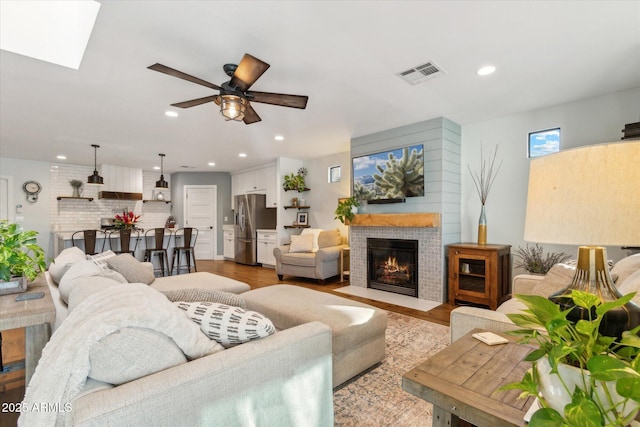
[[127, 220]]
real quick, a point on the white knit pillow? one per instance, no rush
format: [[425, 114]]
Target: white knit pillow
[[301, 243], [228, 325]]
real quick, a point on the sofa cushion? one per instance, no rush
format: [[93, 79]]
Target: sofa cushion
[[228, 325], [200, 280], [210, 295], [132, 269], [82, 271], [512, 305], [64, 261], [301, 243], [315, 232], [84, 287], [329, 238], [302, 259], [132, 353], [625, 268], [556, 279]]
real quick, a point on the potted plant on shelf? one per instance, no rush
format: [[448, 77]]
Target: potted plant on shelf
[[346, 209], [580, 377], [76, 184], [532, 259], [21, 259], [295, 182]]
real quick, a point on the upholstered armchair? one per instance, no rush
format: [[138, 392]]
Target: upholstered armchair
[[314, 254]]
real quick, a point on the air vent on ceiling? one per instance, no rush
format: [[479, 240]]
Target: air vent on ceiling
[[421, 73]]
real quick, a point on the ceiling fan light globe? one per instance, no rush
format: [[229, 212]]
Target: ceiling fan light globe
[[232, 107]]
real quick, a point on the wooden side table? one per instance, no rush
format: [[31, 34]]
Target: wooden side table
[[344, 252], [36, 316], [462, 382]]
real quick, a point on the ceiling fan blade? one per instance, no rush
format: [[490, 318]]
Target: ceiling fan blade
[[293, 101], [249, 70], [184, 76], [250, 116], [194, 102]]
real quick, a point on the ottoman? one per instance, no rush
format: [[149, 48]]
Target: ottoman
[[357, 329]]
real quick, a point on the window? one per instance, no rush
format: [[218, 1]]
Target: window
[[544, 142], [335, 173]]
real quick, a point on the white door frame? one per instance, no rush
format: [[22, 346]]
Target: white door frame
[[7, 182], [185, 188]]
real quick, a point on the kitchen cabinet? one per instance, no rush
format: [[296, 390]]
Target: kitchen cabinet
[[229, 244], [271, 180], [479, 274], [257, 181], [267, 242]]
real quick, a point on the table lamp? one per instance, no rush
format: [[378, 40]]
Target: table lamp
[[588, 196]]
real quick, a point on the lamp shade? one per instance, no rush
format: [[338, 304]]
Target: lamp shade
[[586, 196]]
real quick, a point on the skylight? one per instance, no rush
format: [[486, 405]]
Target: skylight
[[52, 31]]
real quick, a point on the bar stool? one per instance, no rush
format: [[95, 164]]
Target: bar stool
[[154, 246], [90, 238], [122, 239], [190, 235]]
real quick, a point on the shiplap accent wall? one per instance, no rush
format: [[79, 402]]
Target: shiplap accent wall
[[441, 139]]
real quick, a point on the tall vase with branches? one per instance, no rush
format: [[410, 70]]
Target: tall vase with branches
[[483, 181]]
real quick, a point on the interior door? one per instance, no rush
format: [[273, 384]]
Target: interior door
[[6, 198], [200, 212]]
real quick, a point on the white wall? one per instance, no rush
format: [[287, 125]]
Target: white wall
[[589, 121]]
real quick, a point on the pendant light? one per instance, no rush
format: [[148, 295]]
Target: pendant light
[[161, 183], [95, 178]]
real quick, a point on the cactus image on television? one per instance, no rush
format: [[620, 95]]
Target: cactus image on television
[[391, 175]]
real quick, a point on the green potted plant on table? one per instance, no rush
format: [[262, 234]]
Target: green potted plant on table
[[21, 259], [346, 209], [532, 259], [581, 377]]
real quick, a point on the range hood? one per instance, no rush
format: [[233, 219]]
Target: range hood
[[119, 195]]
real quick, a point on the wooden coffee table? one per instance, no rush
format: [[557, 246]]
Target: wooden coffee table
[[462, 382], [36, 316]]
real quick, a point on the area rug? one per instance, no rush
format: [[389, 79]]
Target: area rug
[[376, 398]]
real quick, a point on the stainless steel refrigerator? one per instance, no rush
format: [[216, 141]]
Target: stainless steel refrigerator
[[251, 214]]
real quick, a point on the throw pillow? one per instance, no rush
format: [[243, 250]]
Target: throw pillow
[[210, 295], [101, 259], [84, 272], [315, 232], [132, 269], [301, 243], [556, 279], [64, 261], [329, 238], [132, 353], [227, 325], [631, 284], [625, 268]]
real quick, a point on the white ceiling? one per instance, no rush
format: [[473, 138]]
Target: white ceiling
[[343, 55]]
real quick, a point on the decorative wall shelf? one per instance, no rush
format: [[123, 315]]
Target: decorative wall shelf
[[90, 199], [299, 191], [157, 201], [297, 226], [297, 207]]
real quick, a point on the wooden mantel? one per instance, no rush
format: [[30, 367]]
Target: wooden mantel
[[420, 219]]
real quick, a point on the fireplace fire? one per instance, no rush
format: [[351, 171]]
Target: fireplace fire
[[393, 265]]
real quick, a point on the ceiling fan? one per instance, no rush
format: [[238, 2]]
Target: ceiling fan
[[235, 97]]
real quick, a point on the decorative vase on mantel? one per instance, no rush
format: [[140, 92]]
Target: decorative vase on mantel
[[482, 228]]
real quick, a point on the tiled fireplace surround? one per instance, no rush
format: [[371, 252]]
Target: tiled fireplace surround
[[430, 255]]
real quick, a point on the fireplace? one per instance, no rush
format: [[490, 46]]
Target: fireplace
[[392, 265]]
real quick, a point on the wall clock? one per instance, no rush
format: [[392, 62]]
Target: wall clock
[[32, 188]]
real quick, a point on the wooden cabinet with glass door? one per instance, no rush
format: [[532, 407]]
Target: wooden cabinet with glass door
[[479, 274]]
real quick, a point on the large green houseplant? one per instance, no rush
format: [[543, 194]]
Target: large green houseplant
[[606, 387], [345, 210], [20, 256]]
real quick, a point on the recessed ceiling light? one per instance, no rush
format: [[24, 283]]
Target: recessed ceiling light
[[279, 138], [242, 155], [61, 157], [156, 168], [211, 164], [171, 113], [486, 70]]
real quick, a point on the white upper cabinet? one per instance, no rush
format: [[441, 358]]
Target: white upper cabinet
[[121, 179], [257, 181]]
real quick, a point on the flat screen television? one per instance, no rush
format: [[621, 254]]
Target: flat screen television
[[389, 176]]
